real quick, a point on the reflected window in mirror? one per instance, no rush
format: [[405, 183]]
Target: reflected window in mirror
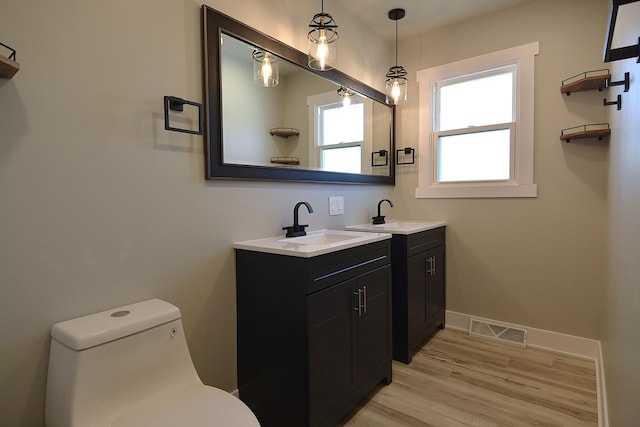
[[342, 132]]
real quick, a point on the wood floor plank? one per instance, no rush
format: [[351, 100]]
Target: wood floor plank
[[459, 380]]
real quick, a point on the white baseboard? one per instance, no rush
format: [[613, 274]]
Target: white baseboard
[[603, 410], [553, 341]]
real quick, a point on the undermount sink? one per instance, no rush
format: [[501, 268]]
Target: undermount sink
[[398, 226], [327, 237], [313, 244]]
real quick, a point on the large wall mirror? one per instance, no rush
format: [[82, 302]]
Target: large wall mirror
[[290, 122]]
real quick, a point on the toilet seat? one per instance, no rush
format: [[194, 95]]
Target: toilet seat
[[194, 405]]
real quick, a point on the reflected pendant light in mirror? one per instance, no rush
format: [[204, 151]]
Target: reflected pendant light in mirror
[[323, 41], [346, 95], [396, 86], [266, 72]]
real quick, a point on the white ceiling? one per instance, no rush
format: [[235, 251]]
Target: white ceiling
[[421, 15]]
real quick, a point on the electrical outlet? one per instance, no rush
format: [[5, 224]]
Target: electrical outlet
[[336, 205]]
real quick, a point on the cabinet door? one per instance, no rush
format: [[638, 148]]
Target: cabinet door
[[331, 374], [417, 311], [374, 323], [436, 291]]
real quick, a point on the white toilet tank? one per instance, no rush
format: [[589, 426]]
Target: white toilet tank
[[106, 366]]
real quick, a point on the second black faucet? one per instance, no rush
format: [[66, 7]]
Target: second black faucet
[[380, 218]]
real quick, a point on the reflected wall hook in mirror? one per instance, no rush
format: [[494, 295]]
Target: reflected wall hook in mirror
[[177, 104], [380, 153]]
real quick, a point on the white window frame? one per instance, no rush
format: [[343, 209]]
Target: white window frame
[[315, 102], [521, 183]]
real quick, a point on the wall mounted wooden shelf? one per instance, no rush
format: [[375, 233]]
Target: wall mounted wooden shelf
[[586, 81], [8, 67], [284, 132], [596, 130]]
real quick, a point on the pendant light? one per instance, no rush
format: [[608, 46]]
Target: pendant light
[[396, 86], [265, 69], [323, 41], [346, 95]]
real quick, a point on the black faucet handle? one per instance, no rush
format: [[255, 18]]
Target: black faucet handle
[[296, 230], [378, 219]]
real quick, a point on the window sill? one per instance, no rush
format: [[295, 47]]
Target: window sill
[[476, 191]]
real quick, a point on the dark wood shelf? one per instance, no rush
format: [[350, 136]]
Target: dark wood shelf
[[284, 132], [8, 67], [585, 131], [585, 81]]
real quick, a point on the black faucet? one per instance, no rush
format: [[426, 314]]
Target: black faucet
[[380, 218], [296, 229]]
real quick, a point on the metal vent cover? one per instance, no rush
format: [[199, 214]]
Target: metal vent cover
[[496, 332]]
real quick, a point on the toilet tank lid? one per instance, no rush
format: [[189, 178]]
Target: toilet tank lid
[[99, 328]]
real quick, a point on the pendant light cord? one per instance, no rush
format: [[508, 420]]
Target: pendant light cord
[[396, 42]]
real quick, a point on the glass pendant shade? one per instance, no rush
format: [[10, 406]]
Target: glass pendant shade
[[266, 72], [396, 85], [323, 42], [346, 95]]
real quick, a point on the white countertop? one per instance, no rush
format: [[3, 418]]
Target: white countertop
[[396, 226], [313, 244]]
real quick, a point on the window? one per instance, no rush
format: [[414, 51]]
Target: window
[[340, 135], [476, 126]]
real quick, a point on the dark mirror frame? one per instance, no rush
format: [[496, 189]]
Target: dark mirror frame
[[616, 54], [214, 25]]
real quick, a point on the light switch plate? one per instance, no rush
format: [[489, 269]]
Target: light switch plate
[[336, 205]]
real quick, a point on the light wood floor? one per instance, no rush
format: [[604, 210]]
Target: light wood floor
[[458, 380]]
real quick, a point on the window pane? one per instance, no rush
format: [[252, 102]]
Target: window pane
[[345, 159], [478, 102], [341, 124], [481, 156]]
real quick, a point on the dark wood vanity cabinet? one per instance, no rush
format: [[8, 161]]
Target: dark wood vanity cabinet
[[314, 334], [418, 289]]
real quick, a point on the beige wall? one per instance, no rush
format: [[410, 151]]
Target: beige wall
[[621, 338], [535, 262], [100, 206]]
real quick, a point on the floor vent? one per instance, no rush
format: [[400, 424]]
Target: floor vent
[[504, 334]]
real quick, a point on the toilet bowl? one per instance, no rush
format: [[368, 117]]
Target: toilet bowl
[[130, 367]]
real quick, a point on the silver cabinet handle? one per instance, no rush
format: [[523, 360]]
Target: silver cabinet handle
[[359, 308], [364, 290], [433, 263], [429, 266]]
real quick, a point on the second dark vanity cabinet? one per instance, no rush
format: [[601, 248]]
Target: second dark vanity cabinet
[[418, 289], [314, 334]]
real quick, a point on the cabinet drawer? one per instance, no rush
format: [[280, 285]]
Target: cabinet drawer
[[336, 267], [425, 240]]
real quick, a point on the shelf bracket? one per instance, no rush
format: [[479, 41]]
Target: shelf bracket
[[624, 82], [618, 102], [12, 55]]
